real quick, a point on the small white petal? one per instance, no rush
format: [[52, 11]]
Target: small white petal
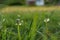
[[47, 20], [20, 24]]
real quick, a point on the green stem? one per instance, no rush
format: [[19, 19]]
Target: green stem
[[19, 36], [45, 37], [34, 28], [46, 28]]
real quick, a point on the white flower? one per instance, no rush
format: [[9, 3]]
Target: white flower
[[20, 23], [18, 19], [46, 20]]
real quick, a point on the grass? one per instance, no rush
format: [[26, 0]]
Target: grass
[[25, 9], [37, 25]]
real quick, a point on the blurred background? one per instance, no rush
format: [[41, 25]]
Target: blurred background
[[29, 19], [29, 2]]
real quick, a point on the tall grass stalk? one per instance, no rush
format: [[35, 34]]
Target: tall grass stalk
[[46, 28], [34, 27], [45, 32], [4, 33]]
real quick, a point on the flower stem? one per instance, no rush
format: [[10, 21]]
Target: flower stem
[[19, 36], [45, 37]]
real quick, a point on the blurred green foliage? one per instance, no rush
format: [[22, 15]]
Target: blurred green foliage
[[24, 1], [37, 25], [13, 1]]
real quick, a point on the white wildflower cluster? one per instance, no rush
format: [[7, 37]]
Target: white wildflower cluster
[[18, 21], [46, 20]]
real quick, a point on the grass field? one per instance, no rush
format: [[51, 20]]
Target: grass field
[[30, 23], [18, 8]]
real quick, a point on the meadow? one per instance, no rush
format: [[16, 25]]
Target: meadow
[[19, 23]]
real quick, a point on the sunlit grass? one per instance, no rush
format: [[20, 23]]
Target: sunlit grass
[[24, 9]]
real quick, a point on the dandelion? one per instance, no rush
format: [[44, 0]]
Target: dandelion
[[46, 20]]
